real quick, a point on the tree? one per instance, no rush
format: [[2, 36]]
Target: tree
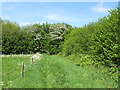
[[79, 40], [14, 40], [56, 37], [106, 39]]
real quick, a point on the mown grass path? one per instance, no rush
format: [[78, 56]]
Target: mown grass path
[[56, 72]]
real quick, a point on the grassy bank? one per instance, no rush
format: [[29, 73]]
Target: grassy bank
[[52, 72]]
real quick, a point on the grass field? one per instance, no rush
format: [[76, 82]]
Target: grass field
[[51, 72]]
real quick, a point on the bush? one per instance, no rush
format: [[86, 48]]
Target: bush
[[82, 59], [99, 40], [14, 40], [106, 39]]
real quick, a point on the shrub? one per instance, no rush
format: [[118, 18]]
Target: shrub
[[82, 59]]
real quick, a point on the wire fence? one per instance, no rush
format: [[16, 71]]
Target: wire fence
[[16, 73]]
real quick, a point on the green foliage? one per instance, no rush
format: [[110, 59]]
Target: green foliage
[[82, 60], [32, 38], [98, 39], [95, 44], [79, 40], [14, 40], [106, 39], [57, 31], [55, 37]]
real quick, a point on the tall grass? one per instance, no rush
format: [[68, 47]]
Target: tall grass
[[54, 72]]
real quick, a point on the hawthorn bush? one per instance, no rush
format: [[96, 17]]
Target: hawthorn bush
[[45, 38]]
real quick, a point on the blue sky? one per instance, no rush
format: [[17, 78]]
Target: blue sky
[[74, 13]]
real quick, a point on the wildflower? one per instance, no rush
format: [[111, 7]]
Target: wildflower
[[11, 82], [2, 83]]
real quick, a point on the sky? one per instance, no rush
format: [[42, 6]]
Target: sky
[[73, 13]]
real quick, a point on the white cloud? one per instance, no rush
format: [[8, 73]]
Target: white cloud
[[25, 23], [57, 17], [30, 23], [100, 8], [54, 17]]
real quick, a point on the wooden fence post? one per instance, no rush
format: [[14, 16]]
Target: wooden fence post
[[32, 60], [22, 70]]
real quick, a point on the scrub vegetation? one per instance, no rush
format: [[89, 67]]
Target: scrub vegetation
[[79, 57]]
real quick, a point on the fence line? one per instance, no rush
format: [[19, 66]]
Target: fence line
[[22, 70], [17, 68], [18, 72]]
